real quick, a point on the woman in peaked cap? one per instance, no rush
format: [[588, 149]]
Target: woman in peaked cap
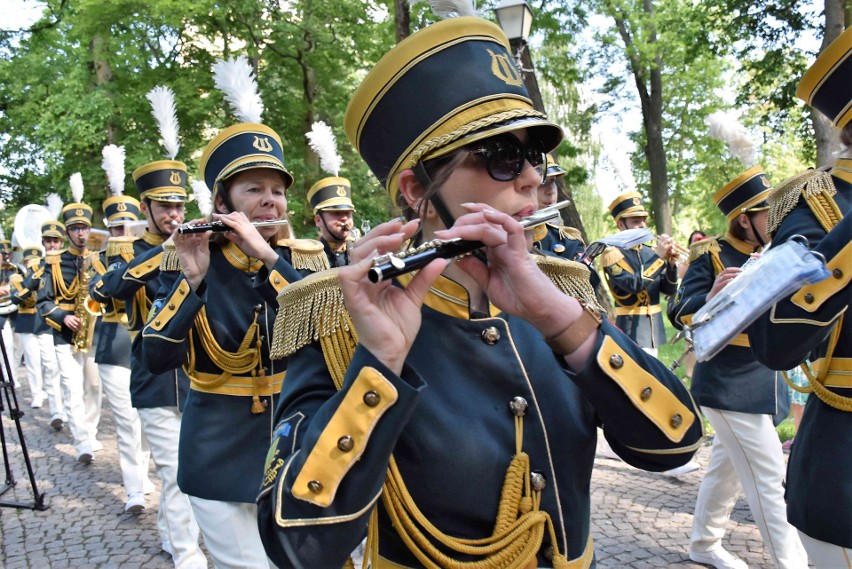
[[453, 431]]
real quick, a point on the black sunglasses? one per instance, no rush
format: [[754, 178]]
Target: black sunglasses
[[504, 156]]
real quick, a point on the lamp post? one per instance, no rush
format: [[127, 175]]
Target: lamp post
[[515, 18]]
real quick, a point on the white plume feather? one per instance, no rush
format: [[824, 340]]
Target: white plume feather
[[203, 197], [725, 127], [322, 142], [54, 205], [234, 78], [453, 8], [113, 165], [162, 101], [77, 187]]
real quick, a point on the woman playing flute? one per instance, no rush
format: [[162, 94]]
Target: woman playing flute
[[462, 426]]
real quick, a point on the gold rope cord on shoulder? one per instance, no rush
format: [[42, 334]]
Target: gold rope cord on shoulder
[[827, 396]]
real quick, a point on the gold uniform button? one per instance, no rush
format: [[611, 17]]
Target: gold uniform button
[[276, 281], [171, 306], [537, 481], [315, 486], [157, 322], [616, 361], [677, 421], [559, 248], [518, 406], [149, 265], [646, 394], [490, 335], [371, 398], [345, 443], [837, 273], [547, 552], [809, 298]]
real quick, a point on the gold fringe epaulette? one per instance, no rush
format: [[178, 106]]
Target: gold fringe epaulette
[[611, 256], [306, 254], [566, 232], [699, 248], [570, 277], [170, 260], [308, 310], [120, 246], [816, 186], [53, 257]]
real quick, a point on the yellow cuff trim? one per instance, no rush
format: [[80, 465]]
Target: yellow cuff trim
[[649, 272], [170, 307], [646, 392], [641, 310], [277, 281], [811, 297], [334, 454], [143, 269]]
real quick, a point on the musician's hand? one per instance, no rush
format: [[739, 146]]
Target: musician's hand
[[722, 280], [386, 317], [248, 238], [665, 248], [194, 252], [72, 322], [5, 290]]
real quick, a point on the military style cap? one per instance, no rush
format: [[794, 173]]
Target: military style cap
[[827, 84], [331, 193], [76, 213], [31, 253], [746, 192], [242, 147], [53, 228], [475, 91], [162, 181], [120, 209], [554, 170], [627, 205]]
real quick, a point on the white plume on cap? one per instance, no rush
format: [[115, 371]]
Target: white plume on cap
[[77, 187], [162, 101], [203, 197], [725, 127], [54, 205], [322, 142], [453, 8], [234, 78], [113, 165]]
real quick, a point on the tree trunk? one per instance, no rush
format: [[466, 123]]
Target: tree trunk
[[402, 21], [827, 141]]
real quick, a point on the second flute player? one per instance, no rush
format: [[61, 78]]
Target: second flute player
[[461, 426]]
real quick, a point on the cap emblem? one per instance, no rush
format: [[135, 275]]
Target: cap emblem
[[262, 143], [78, 212], [341, 191], [121, 206], [175, 178], [637, 201], [504, 69], [765, 181]]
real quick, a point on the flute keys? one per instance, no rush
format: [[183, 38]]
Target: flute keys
[[396, 262]]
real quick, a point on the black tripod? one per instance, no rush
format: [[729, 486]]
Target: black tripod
[[15, 413]]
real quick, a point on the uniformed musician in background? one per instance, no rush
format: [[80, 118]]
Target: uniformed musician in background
[[331, 200], [814, 322], [737, 394], [26, 323], [637, 277], [7, 320], [452, 433]]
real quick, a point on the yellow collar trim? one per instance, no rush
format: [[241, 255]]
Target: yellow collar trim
[[843, 169], [740, 246], [77, 252], [239, 259], [152, 239], [448, 297]]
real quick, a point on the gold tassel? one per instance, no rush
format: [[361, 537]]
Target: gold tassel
[[571, 277], [611, 256], [306, 254], [699, 248], [120, 246], [53, 257], [785, 196], [571, 233], [257, 407], [170, 260]]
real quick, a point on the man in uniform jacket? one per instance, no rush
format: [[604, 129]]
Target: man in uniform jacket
[[7, 320], [26, 322], [331, 199], [814, 323]]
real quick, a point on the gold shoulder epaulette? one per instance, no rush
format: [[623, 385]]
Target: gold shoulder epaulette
[[816, 186], [33, 263], [711, 244], [170, 260], [566, 232], [120, 246], [16, 278], [53, 257], [309, 310], [571, 277], [306, 254], [611, 256]]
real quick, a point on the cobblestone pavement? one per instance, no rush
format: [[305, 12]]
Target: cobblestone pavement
[[639, 519]]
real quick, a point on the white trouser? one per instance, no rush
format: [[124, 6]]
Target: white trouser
[[92, 392], [9, 342], [746, 455], [50, 374], [32, 361], [162, 429], [115, 381], [826, 555], [231, 534], [71, 383]]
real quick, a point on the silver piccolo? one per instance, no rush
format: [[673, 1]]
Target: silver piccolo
[[392, 265], [219, 226]]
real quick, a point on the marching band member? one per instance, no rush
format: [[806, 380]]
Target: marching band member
[[26, 323], [737, 394], [814, 323], [214, 314], [450, 416], [8, 269]]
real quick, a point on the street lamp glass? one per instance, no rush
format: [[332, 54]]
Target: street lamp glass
[[515, 18]]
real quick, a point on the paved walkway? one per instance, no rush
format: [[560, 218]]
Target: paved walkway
[[639, 519]]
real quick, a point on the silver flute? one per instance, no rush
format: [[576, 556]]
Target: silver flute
[[392, 265], [219, 226]]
